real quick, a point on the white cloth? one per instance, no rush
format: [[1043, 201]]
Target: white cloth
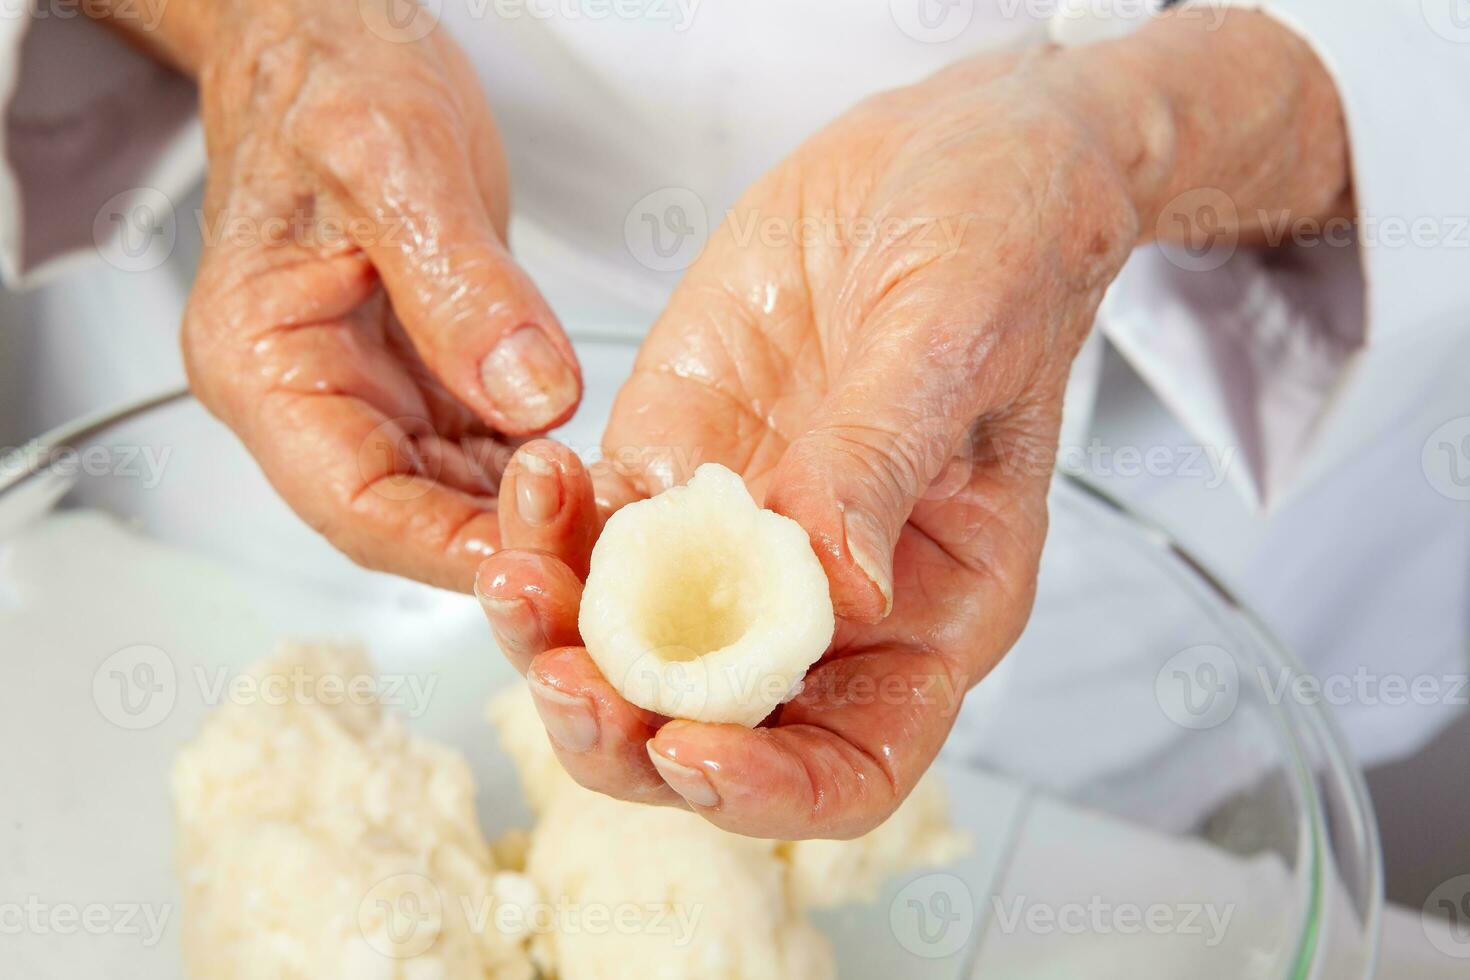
[[89, 123], [1285, 359]]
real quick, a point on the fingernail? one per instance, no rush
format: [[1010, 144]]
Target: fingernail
[[515, 625], [689, 783], [867, 545], [538, 492], [569, 719], [528, 380]]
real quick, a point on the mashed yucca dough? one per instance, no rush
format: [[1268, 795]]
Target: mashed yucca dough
[[697, 901], [323, 841], [747, 898]]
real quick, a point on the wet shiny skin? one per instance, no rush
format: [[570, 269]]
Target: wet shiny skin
[[898, 397], [357, 318], [887, 368], [843, 382]]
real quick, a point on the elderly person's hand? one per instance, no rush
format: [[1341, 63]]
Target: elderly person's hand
[[357, 319], [878, 339]]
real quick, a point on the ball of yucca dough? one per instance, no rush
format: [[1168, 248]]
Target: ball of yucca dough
[[701, 605]]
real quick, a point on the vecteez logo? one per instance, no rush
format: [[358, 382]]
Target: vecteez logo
[[136, 230], [665, 231], [1199, 688], [933, 916], [932, 21], [136, 687]]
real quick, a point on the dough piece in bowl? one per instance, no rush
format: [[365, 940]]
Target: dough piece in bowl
[[736, 907], [701, 605], [635, 891], [321, 841], [640, 891], [318, 839]]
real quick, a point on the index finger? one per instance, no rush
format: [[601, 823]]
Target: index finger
[[297, 355]]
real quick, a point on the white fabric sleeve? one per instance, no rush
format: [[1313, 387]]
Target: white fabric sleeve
[[1298, 356], [97, 141]]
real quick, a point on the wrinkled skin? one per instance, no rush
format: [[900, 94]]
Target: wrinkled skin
[[878, 340], [356, 284], [899, 396]]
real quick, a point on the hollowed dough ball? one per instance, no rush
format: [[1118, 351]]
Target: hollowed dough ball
[[700, 605]]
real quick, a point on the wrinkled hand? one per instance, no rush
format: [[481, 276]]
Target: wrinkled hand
[[878, 339], [883, 359], [357, 319]]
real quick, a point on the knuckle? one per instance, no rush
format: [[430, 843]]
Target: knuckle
[[894, 464], [363, 141]]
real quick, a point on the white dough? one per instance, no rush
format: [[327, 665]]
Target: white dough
[[309, 830], [703, 902], [321, 841], [700, 605], [747, 898]]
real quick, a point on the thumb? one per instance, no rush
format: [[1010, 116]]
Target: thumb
[[893, 421], [482, 327], [472, 313]]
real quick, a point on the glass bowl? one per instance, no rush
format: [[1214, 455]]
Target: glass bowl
[[1141, 800]]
